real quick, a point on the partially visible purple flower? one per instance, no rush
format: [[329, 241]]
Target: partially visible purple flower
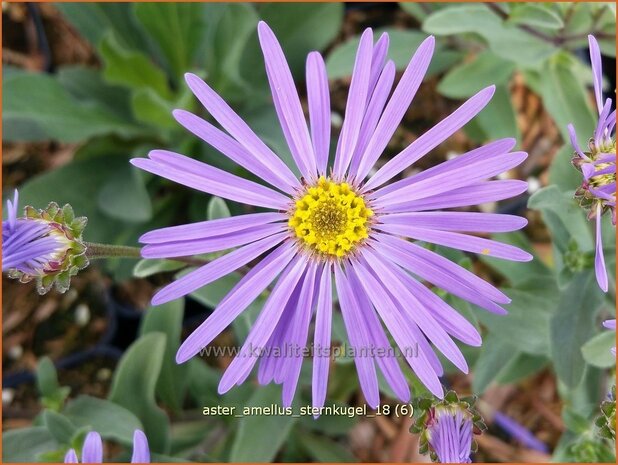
[[44, 245], [597, 194], [611, 324], [519, 432], [92, 452], [342, 221], [450, 434]]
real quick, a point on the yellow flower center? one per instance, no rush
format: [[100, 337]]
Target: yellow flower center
[[330, 218]]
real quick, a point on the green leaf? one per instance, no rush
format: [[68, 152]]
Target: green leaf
[[468, 78], [59, 426], [259, 438], [217, 208], [596, 351], [177, 28], [521, 367], [504, 40], [498, 119], [145, 267], [566, 98], [131, 68], [496, 353], [527, 323], [152, 109], [26, 444], [87, 85], [229, 37], [41, 101], [134, 385], [172, 382], [323, 449], [562, 173], [572, 324], [568, 214], [535, 15], [110, 420], [53, 396], [93, 20], [78, 183], [125, 197]]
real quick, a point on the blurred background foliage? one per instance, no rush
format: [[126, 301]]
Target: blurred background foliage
[[116, 103]]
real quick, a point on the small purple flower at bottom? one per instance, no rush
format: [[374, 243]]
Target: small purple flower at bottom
[[611, 324], [597, 194], [450, 434], [92, 451]]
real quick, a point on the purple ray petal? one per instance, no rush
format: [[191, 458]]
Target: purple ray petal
[[264, 324], [271, 365], [238, 129], [380, 51], [597, 72], [229, 147], [92, 452], [397, 106], [432, 138], [71, 457], [141, 452], [210, 228], [459, 241], [396, 325], [574, 143], [599, 260], [287, 102], [387, 362], [358, 337], [372, 115], [458, 177], [216, 269], [321, 339], [211, 244], [318, 98], [475, 194], [442, 272], [498, 147], [417, 312], [239, 298], [211, 180], [452, 322], [602, 123], [355, 107], [299, 332], [457, 221], [610, 324]]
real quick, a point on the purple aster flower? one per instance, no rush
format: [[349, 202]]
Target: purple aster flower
[[597, 193], [611, 324], [92, 451], [342, 221], [44, 245], [449, 434]]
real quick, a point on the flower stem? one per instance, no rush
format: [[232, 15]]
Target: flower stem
[[95, 250]]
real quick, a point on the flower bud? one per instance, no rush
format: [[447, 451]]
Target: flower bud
[[446, 428], [43, 245]]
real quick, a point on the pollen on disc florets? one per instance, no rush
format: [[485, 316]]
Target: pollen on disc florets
[[330, 218]]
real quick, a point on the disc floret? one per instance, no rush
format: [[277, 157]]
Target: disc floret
[[330, 218]]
